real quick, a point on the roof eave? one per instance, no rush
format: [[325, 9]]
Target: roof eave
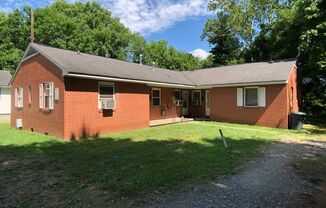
[[149, 83]]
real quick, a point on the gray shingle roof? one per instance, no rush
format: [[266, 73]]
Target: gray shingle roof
[[243, 73], [5, 77], [80, 63]]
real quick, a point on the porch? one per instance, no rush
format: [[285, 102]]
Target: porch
[[165, 121]]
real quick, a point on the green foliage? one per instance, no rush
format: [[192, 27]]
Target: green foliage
[[159, 54], [247, 16], [208, 62], [276, 29], [300, 31], [226, 46], [84, 27]]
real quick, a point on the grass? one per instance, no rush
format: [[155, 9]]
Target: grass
[[129, 165]]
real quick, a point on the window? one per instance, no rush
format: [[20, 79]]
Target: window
[[177, 95], [106, 96], [19, 97], [251, 96], [106, 90], [156, 97], [196, 101], [46, 95], [291, 99], [29, 94]]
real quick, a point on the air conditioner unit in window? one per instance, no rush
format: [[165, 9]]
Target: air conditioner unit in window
[[195, 102], [178, 102], [108, 103]]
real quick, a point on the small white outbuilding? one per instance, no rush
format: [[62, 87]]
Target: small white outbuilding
[[5, 101]]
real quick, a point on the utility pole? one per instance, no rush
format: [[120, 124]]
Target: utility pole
[[32, 27]]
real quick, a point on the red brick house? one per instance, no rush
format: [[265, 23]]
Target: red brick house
[[70, 94]]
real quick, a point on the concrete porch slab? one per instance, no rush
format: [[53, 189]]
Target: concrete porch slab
[[169, 121]]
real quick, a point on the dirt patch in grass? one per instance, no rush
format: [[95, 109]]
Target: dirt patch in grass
[[313, 169]]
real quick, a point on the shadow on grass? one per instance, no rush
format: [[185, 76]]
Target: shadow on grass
[[125, 167]]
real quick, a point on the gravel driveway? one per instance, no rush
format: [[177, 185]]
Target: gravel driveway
[[270, 181]]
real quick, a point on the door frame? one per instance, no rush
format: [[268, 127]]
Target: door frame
[[207, 103], [185, 110]]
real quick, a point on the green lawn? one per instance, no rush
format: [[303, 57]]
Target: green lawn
[[127, 165]]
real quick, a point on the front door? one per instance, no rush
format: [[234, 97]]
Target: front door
[[207, 103], [185, 103]]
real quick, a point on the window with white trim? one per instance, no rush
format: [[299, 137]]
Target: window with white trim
[[106, 92], [251, 97], [29, 94], [177, 95], [46, 98], [19, 97], [196, 97], [156, 97]]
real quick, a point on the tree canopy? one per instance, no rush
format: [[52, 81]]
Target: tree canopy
[[84, 27], [276, 29]]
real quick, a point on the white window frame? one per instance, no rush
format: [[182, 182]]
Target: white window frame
[[43, 95], [152, 95], [107, 84], [19, 97], [110, 84], [245, 97], [192, 97], [49, 96], [30, 94]]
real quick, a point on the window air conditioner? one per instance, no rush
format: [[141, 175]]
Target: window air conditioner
[[108, 103]]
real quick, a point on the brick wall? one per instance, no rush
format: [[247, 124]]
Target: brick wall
[[33, 72], [292, 83], [224, 107], [166, 105], [83, 118]]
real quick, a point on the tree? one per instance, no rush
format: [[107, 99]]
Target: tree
[[84, 27], [159, 54], [300, 32], [136, 49], [226, 46], [247, 16]]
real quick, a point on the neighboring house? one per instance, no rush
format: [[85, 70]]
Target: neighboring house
[[71, 95], [5, 78]]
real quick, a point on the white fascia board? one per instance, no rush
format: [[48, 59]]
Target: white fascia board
[[149, 83]]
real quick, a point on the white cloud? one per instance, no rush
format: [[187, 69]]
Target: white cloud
[[144, 16], [200, 53]]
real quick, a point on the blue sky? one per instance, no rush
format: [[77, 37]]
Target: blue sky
[[180, 22]]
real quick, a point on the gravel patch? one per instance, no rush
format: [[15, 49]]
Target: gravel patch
[[270, 181]]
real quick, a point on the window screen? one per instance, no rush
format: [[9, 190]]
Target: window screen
[[106, 91], [156, 97], [251, 98]]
